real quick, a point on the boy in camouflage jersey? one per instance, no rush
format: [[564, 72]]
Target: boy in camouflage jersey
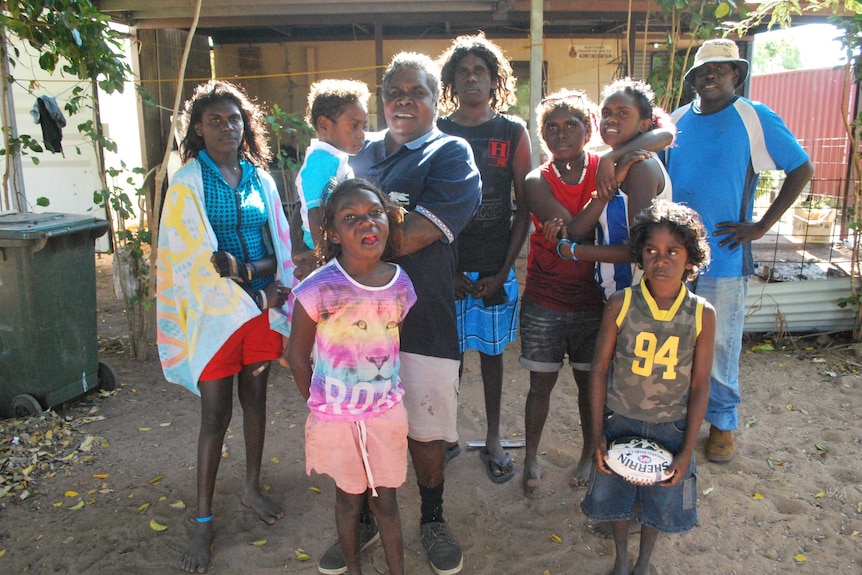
[[655, 341]]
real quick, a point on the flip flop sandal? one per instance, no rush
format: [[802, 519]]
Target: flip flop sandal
[[504, 466]]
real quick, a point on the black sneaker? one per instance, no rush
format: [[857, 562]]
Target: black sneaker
[[444, 554], [333, 562]]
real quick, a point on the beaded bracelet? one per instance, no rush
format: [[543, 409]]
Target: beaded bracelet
[[572, 246]]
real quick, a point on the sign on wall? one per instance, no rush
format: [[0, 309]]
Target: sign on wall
[[590, 52]]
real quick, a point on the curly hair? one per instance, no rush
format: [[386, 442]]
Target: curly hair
[[644, 97], [254, 146], [503, 92], [681, 221], [575, 101], [327, 98], [413, 61], [394, 214]]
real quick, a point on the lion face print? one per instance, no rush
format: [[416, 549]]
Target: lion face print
[[363, 337], [358, 342]]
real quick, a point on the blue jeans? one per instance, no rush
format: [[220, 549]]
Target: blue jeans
[[612, 498], [727, 296]]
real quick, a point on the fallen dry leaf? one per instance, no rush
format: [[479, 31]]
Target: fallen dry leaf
[[78, 505], [259, 542], [39, 447], [156, 526], [301, 555]]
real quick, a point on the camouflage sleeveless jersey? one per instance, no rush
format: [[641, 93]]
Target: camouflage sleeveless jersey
[[654, 355]]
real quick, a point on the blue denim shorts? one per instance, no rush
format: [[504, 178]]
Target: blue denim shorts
[[667, 509], [548, 335]]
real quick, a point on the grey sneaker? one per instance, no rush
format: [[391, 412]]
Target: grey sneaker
[[333, 562], [444, 554]]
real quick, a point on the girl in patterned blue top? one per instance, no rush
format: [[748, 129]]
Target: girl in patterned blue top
[[223, 255]]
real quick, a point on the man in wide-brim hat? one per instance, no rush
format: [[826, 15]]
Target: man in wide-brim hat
[[719, 50], [723, 142]]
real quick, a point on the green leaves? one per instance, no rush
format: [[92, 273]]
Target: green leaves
[[73, 30]]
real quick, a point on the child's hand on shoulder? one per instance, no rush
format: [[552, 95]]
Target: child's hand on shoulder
[[627, 161]]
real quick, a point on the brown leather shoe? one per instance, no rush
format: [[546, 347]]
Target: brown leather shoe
[[719, 446]]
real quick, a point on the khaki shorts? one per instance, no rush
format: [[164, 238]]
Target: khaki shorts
[[431, 388]]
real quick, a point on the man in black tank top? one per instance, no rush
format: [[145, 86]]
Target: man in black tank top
[[477, 85]]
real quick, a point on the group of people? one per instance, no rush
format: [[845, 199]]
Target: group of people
[[402, 258]]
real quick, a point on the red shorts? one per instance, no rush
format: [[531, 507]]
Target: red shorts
[[253, 342]]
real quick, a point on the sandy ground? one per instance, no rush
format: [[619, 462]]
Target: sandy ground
[[791, 501]]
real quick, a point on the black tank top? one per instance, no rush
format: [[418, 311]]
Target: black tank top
[[482, 246]]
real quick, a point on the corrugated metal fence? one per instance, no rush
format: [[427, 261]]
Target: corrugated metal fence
[[810, 103]]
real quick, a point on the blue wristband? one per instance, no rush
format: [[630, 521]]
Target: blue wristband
[[572, 246], [559, 245], [206, 519]]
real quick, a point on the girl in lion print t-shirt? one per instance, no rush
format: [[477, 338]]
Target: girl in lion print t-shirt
[[348, 314]]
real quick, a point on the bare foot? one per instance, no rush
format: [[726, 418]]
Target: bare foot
[[622, 566], [532, 479], [640, 570], [267, 511], [581, 476], [196, 558]]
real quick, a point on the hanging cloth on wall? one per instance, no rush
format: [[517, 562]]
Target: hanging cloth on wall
[[46, 113]]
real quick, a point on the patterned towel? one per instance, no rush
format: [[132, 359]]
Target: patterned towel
[[196, 309]]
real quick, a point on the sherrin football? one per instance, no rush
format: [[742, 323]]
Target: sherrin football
[[638, 460]]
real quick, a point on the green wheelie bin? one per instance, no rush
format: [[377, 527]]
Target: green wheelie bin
[[49, 351]]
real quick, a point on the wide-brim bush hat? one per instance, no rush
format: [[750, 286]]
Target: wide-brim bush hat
[[718, 50]]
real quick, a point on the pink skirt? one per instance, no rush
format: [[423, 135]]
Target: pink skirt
[[359, 455]]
